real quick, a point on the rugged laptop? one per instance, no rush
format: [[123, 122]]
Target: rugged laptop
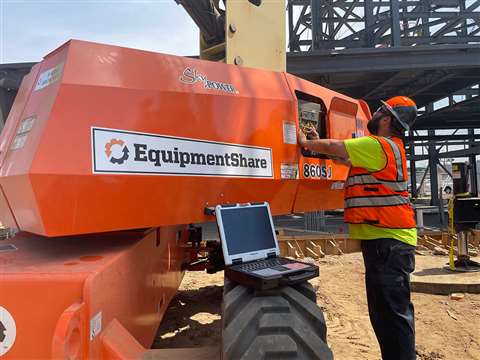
[[250, 248]]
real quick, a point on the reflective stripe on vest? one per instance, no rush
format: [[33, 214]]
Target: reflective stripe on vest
[[380, 198], [398, 157], [371, 180], [376, 201]]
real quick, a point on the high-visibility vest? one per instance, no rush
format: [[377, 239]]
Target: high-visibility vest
[[381, 198]]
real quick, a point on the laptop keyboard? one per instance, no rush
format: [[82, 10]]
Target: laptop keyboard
[[275, 264]]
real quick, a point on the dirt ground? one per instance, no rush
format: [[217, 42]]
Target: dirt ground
[[446, 329]]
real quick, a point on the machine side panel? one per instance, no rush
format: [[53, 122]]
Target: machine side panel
[[26, 126], [321, 181], [6, 216], [35, 301], [15, 115], [7, 136], [127, 139], [139, 297], [130, 277], [22, 136], [124, 91]]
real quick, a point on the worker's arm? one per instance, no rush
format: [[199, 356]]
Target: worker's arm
[[331, 147]]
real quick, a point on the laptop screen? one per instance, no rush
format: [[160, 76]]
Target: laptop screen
[[247, 229]]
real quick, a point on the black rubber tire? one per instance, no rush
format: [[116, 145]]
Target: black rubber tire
[[282, 323]]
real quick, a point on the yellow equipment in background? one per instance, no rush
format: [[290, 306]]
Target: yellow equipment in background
[[247, 33]]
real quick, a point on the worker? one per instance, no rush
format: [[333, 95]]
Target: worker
[[379, 213]]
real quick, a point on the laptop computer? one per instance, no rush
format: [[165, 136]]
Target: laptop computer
[[250, 248]]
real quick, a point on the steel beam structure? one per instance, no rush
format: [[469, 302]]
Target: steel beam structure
[[442, 138], [428, 50], [11, 76], [425, 73], [328, 24], [473, 164], [432, 162], [464, 113], [450, 154], [413, 179], [373, 49], [465, 147]]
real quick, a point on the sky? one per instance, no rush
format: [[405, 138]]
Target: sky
[[30, 29]]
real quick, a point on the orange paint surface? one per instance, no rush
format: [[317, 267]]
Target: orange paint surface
[[79, 294], [49, 180], [55, 288]]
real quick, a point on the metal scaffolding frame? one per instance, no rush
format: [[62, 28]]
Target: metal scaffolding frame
[[426, 73], [435, 147], [327, 24], [461, 109], [373, 49]]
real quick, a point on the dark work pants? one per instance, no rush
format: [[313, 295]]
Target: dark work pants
[[388, 263]]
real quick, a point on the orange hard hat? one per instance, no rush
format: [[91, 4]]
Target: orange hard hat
[[403, 109]]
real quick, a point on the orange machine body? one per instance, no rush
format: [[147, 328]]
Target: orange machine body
[[68, 296], [85, 103], [96, 147]]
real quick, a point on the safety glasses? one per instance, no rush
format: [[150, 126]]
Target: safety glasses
[[381, 112]]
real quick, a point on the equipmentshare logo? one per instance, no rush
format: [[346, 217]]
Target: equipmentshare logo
[[108, 151], [127, 152]]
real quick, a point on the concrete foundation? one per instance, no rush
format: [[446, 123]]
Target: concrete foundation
[[432, 277]]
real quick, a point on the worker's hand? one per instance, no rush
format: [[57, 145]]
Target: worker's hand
[[312, 133], [301, 138]]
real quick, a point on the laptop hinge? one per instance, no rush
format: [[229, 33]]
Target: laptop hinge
[[271, 255], [237, 261]]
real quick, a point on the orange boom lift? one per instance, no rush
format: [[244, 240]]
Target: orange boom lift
[[110, 154]]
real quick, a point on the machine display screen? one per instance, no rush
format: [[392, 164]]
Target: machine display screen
[[247, 229]]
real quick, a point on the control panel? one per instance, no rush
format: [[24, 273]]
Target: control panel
[[312, 116]]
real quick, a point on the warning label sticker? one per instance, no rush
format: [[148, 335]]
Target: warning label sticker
[[289, 133], [49, 77], [338, 185], [289, 171], [95, 325], [128, 152]]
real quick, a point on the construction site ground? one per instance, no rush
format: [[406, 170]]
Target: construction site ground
[[446, 329]]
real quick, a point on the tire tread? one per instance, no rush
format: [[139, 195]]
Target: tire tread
[[281, 323]]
